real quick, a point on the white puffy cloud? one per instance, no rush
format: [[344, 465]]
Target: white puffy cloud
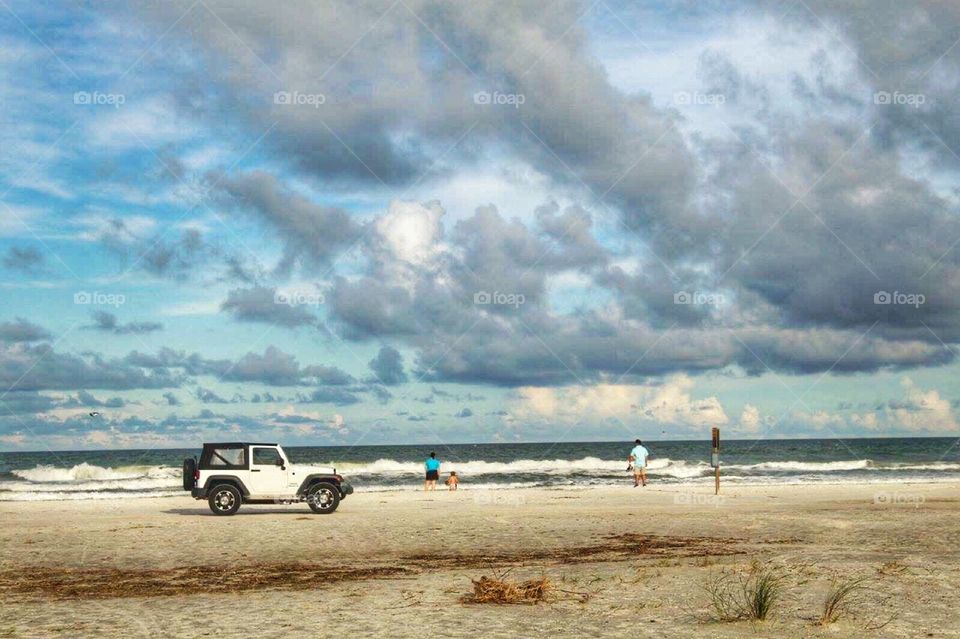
[[750, 419], [410, 231], [923, 410], [920, 411], [669, 403]]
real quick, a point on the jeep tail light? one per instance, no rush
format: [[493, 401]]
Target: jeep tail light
[[196, 476], [338, 478]]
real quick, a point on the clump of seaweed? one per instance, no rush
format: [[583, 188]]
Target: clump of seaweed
[[498, 590]]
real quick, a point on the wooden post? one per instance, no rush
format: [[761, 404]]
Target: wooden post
[[715, 460]]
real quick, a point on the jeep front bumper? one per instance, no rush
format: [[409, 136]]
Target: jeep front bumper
[[346, 489]]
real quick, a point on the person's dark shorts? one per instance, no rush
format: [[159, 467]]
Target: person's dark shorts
[[433, 475]]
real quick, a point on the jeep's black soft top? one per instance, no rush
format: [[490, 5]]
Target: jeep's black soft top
[[210, 459]]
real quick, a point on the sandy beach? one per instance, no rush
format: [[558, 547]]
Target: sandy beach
[[623, 561]]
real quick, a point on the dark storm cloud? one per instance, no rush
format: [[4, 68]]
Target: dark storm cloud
[[494, 255], [572, 231], [208, 396], [168, 358], [505, 256], [312, 233], [436, 392], [21, 330], [276, 368], [906, 48], [464, 412], [331, 395], [863, 229], [368, 308], [387, 366], [265, 398], [261, 304], [177, 256], [797, 276], [813, 351], [463, 340], [84, 399], [422, 64], [26, 259], [273, 367], [171, 399], [26, 402], [381, 393], [650, 294], [28, 368], [108, 322]]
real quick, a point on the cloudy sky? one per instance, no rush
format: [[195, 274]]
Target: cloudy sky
[[420, 221]]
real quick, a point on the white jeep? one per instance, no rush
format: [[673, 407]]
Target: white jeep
[[241, 472]]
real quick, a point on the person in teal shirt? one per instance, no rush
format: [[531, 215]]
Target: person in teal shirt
[[638, 460], [433, 472]]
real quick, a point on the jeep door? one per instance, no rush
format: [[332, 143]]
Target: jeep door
[[268, 472]]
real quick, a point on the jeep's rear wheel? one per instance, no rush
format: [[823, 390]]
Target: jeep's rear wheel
[[323, 498], [224, 499]]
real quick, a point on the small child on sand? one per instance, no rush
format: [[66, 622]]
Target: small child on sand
[[453, 481]]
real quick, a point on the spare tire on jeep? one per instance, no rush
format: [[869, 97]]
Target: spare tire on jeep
[[189, 473]]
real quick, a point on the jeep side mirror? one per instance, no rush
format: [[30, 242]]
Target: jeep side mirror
[[279, 461]]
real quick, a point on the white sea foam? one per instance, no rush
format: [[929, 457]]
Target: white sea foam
[[89, 472], [87, 481], [797, 466]]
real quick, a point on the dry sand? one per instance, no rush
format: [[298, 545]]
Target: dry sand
[[623, 562]]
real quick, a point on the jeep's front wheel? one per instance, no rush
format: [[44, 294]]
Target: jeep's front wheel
[[224, 499], [323, 498]]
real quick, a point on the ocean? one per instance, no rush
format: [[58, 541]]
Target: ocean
[[34, 476]]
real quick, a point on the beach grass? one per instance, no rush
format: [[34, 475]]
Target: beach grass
[[745, 596], [840, 598]]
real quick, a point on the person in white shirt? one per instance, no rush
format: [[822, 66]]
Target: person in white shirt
[[638, 460]]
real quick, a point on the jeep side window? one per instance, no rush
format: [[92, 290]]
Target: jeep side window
[[227, 457], [266, 456]]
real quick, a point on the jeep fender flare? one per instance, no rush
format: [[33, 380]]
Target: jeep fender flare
[[226, 479], [312, 479]]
